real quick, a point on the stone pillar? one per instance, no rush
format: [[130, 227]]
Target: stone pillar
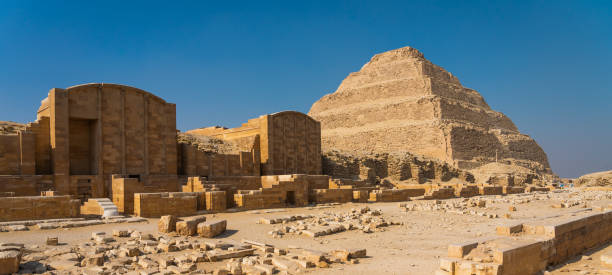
[[59, 128]]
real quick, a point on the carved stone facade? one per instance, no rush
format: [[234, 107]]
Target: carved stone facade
[[109, 140]]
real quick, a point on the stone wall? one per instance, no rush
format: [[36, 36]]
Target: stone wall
[[34, 208], [196, 162], [394, 195], [216, 200], [153, 205], [124, 187], [279, 194], [331, 195], [390, 167], [289, 142], [17, 154], [528, 248]]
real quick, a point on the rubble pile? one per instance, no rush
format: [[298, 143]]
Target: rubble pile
[[134, 252], [363, 219], [64, 223]]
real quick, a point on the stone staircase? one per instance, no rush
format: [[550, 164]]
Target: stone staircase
[[100, 206]]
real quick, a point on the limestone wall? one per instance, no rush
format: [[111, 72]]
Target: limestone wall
[[34, 208], [289, 142], [216, 200], [331, 195], [153, 205], [25, 185], [196, 162], [17, 154], [395, 168], [124, 187], [9, 155], [393, 195], [105, 129]]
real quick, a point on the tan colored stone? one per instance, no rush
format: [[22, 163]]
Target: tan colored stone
[[399, 95], [188, 226], [166, 224], [9, 261], [211, 229]]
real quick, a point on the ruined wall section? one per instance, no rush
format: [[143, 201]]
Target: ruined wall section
[[288, 142], [199, 160], [393, 168]]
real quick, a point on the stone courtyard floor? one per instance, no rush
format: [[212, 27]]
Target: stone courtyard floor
[[413, 246]]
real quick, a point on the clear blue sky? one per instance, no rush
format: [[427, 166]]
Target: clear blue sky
[[545, 64]]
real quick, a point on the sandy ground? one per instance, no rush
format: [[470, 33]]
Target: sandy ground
[[411, 248]]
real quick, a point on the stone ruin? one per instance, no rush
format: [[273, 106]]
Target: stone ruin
[[400, 102], [400, 129]]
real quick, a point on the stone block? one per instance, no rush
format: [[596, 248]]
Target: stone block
[[52, 241], [166, 224], [211, 229], [9, 261], [219, 255], [188, 226], [461, 249], [94, 260], [507, 230]]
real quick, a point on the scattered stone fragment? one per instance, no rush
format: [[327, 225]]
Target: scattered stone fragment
[[52, 241]]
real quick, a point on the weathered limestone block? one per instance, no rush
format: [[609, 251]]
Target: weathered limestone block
[[93, 260], [9, 261], [461, 249], [219, 255], [211, 229], [166, 224], [508, 230], [188, 226]]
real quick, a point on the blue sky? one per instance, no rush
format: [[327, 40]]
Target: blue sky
[[545, 64]]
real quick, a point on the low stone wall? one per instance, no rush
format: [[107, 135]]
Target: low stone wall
[[123, 189], [513, 189], [394, 195], [530, 247], [279, 194], [153, 205], [35, 208], [441, 193], [490, 190], [537, 189], [361, 195], [467, 191], [331, 195]]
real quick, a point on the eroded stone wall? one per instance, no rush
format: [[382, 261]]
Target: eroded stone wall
[[288, 142], [393, 168], [34, 208]]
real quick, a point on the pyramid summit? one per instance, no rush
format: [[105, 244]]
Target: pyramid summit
[[401, 102]]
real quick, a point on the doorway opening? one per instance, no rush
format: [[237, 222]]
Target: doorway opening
[[290, 198]]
